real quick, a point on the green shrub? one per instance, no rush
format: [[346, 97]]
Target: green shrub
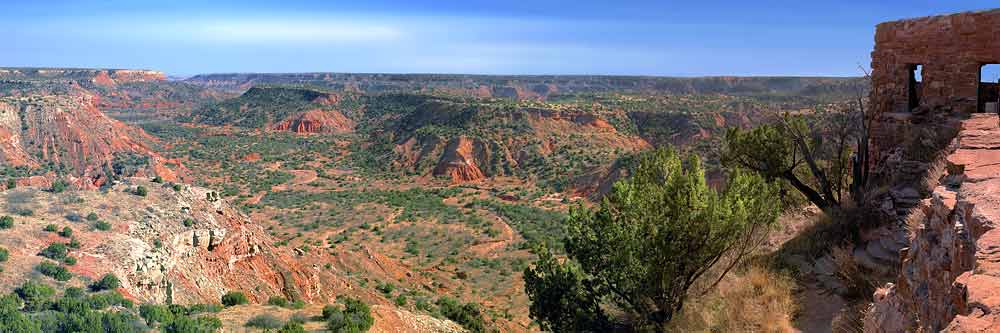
[[107, 282], [6, 222], [102, 226], [185, 324], [329, 310], [54, 271], [177, 319], [36, 296], [188, 222], [158, 179], [356, 317], [264, 321], [299, 317], [55, 251], [14, 320], [106, 299], [201, 308], [468, 315], [154, 313], [234, 298], [31, 308], [292, 327], [385, 287], [73, 292], [66, 232], [141, 191], [658, 232], [4, 254], [58, 186], [51, 228], [69, 261], [277, 301], [92, 217]]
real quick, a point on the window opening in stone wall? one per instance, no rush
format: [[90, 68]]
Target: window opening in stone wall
[[989, 97], [913, 88]]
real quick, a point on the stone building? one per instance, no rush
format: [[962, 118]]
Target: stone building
[[929, 145], [936, 60]]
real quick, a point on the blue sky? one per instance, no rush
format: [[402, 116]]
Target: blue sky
[[672, 38]]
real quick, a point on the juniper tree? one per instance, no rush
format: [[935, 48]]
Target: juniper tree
[[649, 241]]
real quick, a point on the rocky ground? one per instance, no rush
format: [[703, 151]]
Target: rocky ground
[[950, 273], [181, 245]]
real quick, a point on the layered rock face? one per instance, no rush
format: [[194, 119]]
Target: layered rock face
[[950, 272], [316, 121], [69, 129], [461, 159]]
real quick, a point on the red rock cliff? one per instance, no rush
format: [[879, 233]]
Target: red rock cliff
[[461, 160], [316, 121], [67, 129]]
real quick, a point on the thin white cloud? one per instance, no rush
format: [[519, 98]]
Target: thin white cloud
[[294, 31], [257, 30]]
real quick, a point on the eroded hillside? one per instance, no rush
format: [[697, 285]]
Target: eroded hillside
[[67, 134]]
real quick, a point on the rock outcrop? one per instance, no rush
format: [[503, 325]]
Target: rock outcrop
[[222, 251], [182, 246], [137, 75], [461, 160], [70, 130], [316, 121], [949, 274]]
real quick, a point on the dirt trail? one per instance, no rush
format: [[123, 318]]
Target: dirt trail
[[256, 198], [506, 237], [817, 306], [303, 176]]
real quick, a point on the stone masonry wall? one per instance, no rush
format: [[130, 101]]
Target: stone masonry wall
[[951, 49]]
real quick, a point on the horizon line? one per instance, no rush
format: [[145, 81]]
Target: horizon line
[[652, 76]]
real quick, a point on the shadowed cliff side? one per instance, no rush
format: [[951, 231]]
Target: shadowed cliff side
[[949, 273]]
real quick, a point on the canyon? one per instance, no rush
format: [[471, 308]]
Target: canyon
[[327, 201], [400, 191]]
